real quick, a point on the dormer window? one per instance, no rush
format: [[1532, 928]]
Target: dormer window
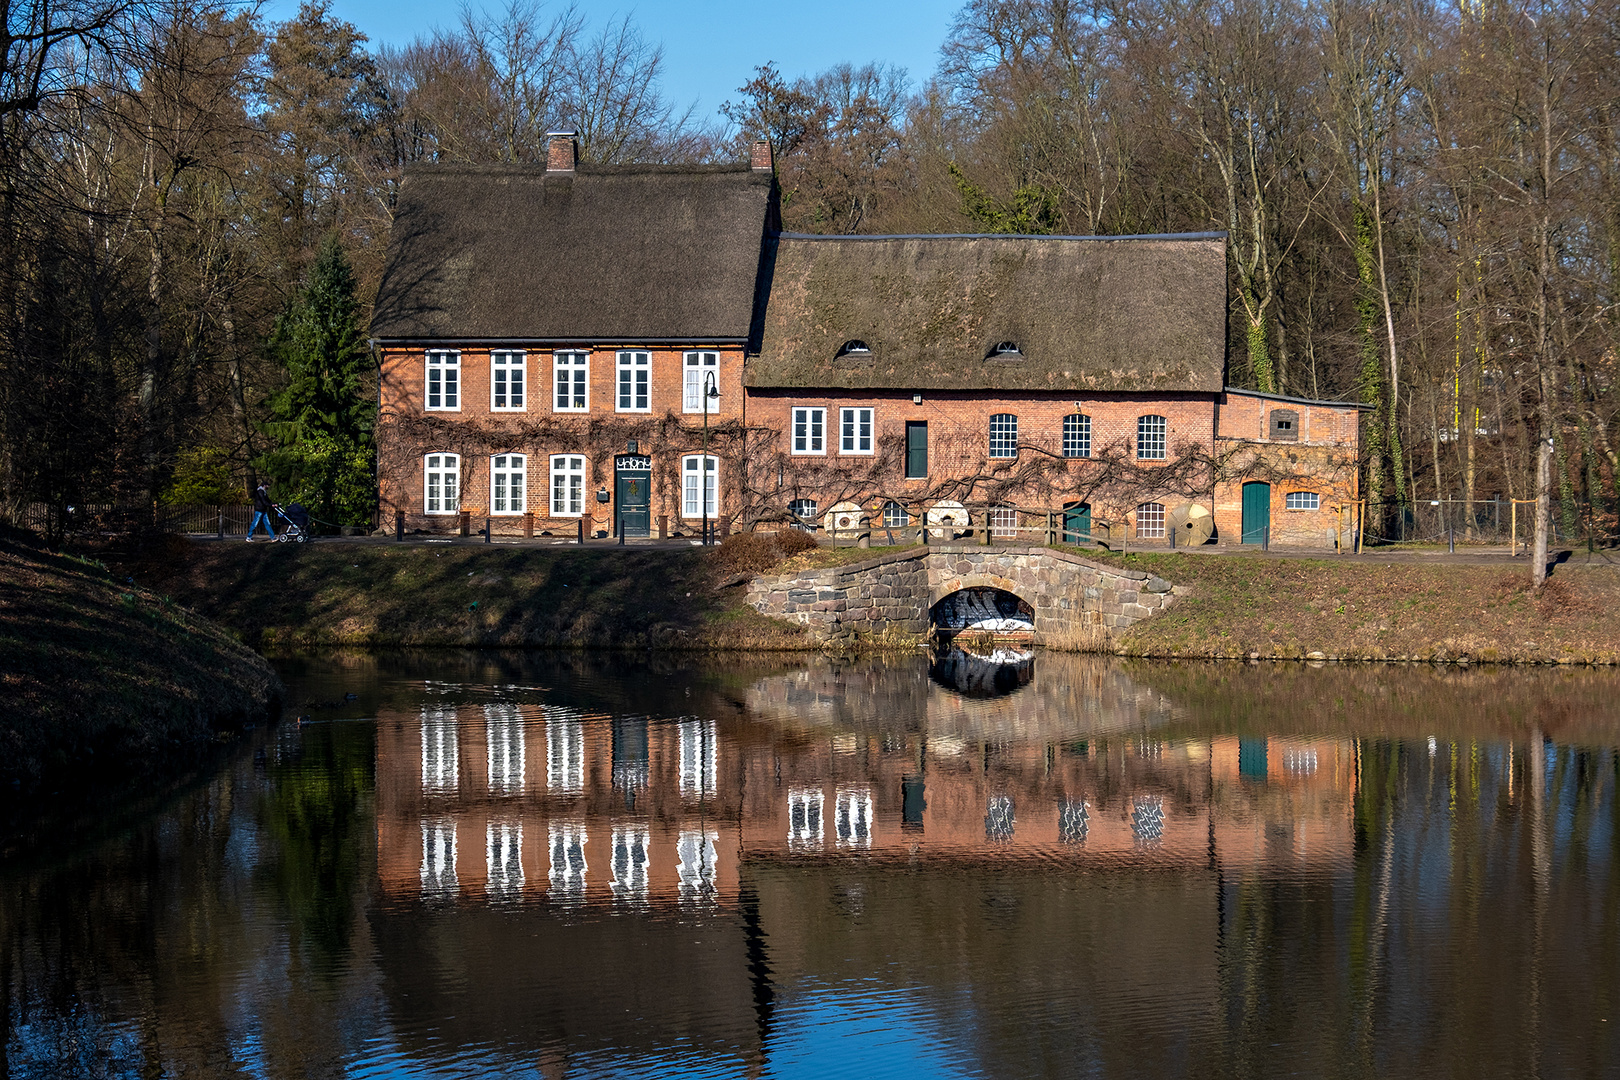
[[853, 349], [1005, 350]]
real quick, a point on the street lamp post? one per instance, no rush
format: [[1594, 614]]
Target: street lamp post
[[710, 392]]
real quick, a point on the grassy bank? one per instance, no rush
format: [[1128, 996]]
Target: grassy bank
[[280, 597], [97, 674], [283, 597], [1367, 610]]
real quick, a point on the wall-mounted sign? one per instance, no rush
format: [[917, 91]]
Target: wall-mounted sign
[[633, 463]]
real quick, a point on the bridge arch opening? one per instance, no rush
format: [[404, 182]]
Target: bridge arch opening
[[982, 609]]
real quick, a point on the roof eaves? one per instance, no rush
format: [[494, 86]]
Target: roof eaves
[[1296, 400]]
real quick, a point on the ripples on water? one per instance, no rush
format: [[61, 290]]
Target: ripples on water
[[558, 866]]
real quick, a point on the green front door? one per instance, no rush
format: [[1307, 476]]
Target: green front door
[[1077, 523], [633, 494], [1256, 512]]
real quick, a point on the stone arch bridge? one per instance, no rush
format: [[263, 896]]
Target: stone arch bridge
[[1070, 599]]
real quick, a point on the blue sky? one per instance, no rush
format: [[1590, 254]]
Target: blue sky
[[711, 47]]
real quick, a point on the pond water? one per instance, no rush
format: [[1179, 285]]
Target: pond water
[[491, 865]]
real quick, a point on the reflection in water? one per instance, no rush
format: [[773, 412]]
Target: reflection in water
[[844, 868], [1001, 671]]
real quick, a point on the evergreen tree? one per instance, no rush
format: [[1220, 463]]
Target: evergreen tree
[[324, 418]]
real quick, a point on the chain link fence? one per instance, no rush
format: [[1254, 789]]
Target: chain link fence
[[1471, 521], [111, 519]]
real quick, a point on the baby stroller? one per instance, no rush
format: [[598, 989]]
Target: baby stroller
[[296, 523]]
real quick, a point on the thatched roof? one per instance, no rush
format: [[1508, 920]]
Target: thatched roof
[[633, 253], [1087, 314]]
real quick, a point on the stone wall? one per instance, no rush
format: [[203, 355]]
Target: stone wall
[[893, 594]]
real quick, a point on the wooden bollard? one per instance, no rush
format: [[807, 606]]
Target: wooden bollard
[[399, 524], [528, 525], [466, 523]]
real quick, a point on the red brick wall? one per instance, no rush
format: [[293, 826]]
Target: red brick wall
[[407, 432], [1323, 460]]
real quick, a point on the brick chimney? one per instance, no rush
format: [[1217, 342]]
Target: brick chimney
[[562, 148], [760, 156]]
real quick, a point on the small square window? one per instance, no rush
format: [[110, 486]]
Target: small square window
[[1302, 500]]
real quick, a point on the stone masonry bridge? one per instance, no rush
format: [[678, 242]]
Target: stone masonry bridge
[[1071, 600]]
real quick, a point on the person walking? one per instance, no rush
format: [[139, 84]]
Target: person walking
[[261, 511]]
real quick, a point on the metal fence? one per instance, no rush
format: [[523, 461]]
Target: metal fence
[[1471, 521], [106, 519]]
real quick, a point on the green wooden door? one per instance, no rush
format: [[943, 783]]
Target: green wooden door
[[633, 494], [1256, 512], [916, 448], [1077, 523]]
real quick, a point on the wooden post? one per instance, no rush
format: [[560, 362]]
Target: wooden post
[[1513, 541], [581, 524], [528, 525], [489, 530], [1338, 529], [399, 525], [663, 526], [466, 523], [1361, 524]]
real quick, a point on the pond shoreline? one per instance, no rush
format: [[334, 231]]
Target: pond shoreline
[[280, 598]]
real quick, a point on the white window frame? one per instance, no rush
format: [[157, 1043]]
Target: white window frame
[[691, 482], [508, 484], [812, 440], [1152, 437], [1077, 435], [1307, 500], [895, 514], [441, 377], [852, 439], [804, 513], [1150, 521], [447, 467], [566, 467], [570, 371], [693, 367], [513, 364], [629, 364], [1008, 436]]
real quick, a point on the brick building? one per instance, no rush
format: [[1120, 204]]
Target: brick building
[[559, 346]]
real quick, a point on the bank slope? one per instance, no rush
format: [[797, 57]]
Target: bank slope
[[95, 672]]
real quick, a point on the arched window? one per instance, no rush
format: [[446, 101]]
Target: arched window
[[1302, 500], [895, 516], [1003, 435], [1150, 437], [1077, 435], [1004, 523], [1150, 521], [508, 483], [441, 480], [567, 485], [700, 485], [856, 349], [1006, 350]]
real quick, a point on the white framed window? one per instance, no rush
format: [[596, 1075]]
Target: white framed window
[[565, 755], [1003, 435], [441, 482], [567, 843], [855, 431], [507, 386], [567, 485], [699, 371], [443, 381], [1302, 500], [1150, 438], [1150, 521], [809, 431], [571, 381], [1077, 435], [697, 764], [697, 864], [700, 491], [1004, 523], [635, 382], [439, 858], [895, 516], [804, 512], [508, 483]]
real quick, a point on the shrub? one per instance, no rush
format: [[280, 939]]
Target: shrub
[[792, 541], [756, 552]]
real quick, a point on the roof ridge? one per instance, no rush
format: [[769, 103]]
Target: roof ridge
[[1220, 235]]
